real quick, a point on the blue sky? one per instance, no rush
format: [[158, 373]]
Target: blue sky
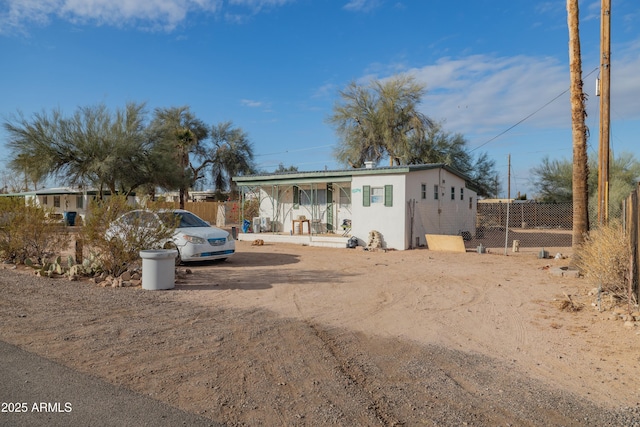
[[274, 67]]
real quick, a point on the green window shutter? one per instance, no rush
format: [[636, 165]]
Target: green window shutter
[[388, 195], [296, 197], [366, 195]]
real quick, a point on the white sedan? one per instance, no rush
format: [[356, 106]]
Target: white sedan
[[194, 238]]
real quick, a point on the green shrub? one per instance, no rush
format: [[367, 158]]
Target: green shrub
[[27, 233]]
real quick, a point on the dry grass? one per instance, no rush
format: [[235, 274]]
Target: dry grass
[[604, 257], [569, 304]]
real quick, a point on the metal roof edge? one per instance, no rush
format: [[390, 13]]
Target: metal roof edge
[[341, 175]]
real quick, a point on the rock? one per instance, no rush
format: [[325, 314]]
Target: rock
[[135, 276], [629, 325], [126, 276], [375, 240], [73, 278]]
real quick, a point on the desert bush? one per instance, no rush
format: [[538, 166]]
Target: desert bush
[[604, 257], [117, 253], [27, 233], [251, 209]]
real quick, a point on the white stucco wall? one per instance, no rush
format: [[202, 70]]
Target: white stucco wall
[[388, 220], [442, 215], [67, 203]]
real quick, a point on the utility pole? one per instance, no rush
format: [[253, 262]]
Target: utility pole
[[509, 177], [605, 108]]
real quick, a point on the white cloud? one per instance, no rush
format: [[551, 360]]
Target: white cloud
[[17, 15], [251, 103], [258, 5], [362, 5], [485, 95]]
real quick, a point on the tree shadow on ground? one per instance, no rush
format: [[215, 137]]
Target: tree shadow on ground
[[252, 271]]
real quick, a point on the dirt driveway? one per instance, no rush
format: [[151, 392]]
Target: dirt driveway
[[292, 335]]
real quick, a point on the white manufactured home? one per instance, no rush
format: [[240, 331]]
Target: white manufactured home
[[63, 200], [403, 203]]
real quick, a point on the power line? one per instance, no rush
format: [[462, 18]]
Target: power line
[[530, 115], [294, 151]]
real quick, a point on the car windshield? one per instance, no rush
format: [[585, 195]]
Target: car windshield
[[183, 219]]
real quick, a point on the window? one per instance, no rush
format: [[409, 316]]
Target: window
[[345, 198], [453, 193], [423, 191], [375, 195], [470, 202], [462, 193], [79, 202], [296, 197], [44, 200], [56, 201], [305, 198], [435, 192]]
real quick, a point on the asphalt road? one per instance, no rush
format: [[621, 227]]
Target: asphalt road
[[35, 391]]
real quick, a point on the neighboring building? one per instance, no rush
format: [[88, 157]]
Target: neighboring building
[[403, 203], [63, 199], [194, 196]]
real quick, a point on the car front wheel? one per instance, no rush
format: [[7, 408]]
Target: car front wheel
[[171, 245]]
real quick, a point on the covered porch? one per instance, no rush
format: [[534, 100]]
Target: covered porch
[[303, 208]]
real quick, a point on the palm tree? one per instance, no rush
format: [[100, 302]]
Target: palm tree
[[579, 130], [231, 154], [181, 132]]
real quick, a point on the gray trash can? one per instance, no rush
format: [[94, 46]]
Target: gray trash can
[[158, 269]]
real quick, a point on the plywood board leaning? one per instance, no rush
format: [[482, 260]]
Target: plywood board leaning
[[442, 242]]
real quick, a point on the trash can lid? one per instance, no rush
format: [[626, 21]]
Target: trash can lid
[[158, 253]]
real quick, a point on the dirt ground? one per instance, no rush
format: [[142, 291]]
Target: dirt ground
[[293, 335]]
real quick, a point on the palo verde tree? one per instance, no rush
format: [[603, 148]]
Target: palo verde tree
[[382, 120], [92, 147], [379, 120], [440, 146]]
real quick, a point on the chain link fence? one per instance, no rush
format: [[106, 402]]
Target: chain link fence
[[528, 224]]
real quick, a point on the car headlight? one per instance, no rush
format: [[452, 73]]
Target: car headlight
[[196, 240]]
